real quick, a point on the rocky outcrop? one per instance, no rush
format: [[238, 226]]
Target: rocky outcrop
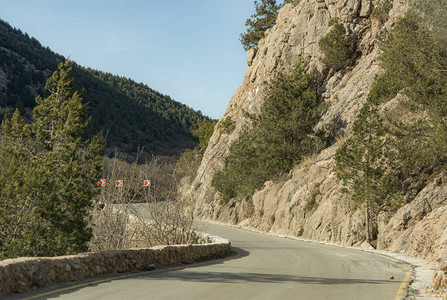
[[22, 274], [420, 228], [308, 202]]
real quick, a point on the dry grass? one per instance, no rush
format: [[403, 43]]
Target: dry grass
[[341, 139], [308, 161]]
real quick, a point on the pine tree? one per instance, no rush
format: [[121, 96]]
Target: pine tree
[[50, 189], [258, 23], [386, 163], [203, 132], [15, 174], [366, 165]]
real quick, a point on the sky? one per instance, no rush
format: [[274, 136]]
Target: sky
[[189, 50]]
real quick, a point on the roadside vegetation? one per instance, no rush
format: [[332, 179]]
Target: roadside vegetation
[[279, 137], [135, 215], [46, 171], [399, 139], [51, 202]]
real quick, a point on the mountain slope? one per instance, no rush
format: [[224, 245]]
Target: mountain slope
[[308, 201], [131, 114]]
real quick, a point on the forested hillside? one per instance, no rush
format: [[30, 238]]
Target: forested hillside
[[131, 114]]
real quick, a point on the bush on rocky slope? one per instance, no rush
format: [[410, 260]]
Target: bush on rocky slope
[[336, 46], [280, 137], [399, 152]]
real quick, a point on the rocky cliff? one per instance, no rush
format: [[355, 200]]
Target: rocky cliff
[[307, 201]]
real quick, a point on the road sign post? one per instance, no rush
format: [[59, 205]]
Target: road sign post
[[147, 183], [120, 183]]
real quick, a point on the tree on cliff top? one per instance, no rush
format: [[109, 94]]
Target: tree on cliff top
[[264, 18]]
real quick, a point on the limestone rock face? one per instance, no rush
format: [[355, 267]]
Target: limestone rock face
[[251, 55], [420, 228], [308, 202]]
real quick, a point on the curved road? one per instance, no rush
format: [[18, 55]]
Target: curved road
[[263, 267]]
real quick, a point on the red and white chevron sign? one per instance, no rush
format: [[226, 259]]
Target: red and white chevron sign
[[119, 182], [102, 182], [147, 183]]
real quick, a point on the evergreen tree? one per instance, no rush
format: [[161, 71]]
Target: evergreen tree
[[281, 136], [258, 23], [204, 132], [16, 175], [365, 164], [336, 46], [48, 189]]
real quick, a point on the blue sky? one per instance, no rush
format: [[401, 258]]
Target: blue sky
[[189, 50]]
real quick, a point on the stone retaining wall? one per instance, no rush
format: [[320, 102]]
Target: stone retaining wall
[[21, 274]]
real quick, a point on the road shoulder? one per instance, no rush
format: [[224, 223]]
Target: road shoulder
[[416, 284]]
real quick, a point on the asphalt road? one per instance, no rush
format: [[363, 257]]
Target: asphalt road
[[262, 267]]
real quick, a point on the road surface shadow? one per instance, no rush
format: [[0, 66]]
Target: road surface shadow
[[228, 277], [70, 287]]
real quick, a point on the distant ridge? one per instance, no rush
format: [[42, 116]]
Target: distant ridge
[[131, 114]]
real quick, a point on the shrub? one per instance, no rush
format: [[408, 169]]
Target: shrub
[[189, 161], [204, 131], [137, 216], [382, 10], [227, 125], [336, 46], [279, 139]]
